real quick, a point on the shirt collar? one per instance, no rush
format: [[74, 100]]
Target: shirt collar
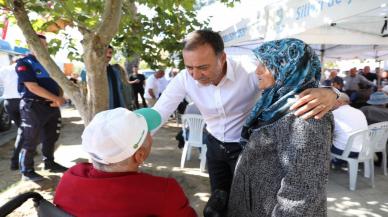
[[230, 73]]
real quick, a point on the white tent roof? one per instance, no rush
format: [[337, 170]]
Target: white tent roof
[[323, 23]]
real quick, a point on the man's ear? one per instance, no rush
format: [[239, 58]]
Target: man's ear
[[139, 156], [223, 57]]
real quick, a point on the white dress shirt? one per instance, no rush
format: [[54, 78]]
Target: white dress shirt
[[224, 107], [151, 83], [9, 78], [347, 120]]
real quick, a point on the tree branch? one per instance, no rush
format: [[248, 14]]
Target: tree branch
[[41, 53], [81, 27], [109, 26]]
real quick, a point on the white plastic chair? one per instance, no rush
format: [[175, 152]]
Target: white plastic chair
[[365, 156], [379, 140], [195, 124]]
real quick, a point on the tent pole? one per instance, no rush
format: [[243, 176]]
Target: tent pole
[[379, 74], [322, 56]]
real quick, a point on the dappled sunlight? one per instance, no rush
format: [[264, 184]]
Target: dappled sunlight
[[345, 206], [190, 171], [80, 122], [67, 147], [186, 171], [161, 167], [172, 124], [62, 154], [203, 196], [163, 148], [149, 165]]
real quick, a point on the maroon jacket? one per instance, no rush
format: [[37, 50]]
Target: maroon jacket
[[85, 191]]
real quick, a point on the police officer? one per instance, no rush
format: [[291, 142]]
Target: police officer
[[40, 114]]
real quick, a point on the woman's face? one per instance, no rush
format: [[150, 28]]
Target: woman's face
[[266, 79]]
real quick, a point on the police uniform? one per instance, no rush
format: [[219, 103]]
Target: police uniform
[[40, 121]]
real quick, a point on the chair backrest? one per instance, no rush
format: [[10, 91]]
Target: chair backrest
[[195, 124], [361, 139], [379, 135]]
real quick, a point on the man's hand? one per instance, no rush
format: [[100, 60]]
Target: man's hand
[[35, 88], [58, 102], [314, 102]]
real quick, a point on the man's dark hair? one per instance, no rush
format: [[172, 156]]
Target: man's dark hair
[[110, 47], [41, 36], [201, 37]]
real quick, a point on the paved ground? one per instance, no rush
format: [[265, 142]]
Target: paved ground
[[164, 160]]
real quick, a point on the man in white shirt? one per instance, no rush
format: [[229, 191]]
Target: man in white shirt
[[11, 95], [347, 120], [152, 91], [162, 84], [225, 90]]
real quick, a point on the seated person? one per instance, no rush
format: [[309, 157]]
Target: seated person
[[118, 141], [333, 77], [352, 85], [347, 120], [338, 83], [377, 111]]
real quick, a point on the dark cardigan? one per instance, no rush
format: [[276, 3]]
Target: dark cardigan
[[283, 170]]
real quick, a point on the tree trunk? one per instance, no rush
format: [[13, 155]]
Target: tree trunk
[[94, 98]]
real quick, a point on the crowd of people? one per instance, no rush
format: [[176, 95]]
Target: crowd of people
[[269, 131], [363, 102]]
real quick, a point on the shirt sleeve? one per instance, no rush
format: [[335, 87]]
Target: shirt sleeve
[[364, 80], [149, 83], [177, 205], [25, 72], [171, 97]]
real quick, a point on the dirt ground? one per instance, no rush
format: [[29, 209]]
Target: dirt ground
[[163, 161]]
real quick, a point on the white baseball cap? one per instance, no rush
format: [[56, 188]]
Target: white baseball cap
[[115, 135]]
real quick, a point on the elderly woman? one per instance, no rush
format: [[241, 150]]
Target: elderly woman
[[283, 170]]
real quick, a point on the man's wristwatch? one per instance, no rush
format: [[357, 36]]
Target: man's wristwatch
[[336, 91]]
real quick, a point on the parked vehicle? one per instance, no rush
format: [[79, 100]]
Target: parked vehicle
[[5, 122]]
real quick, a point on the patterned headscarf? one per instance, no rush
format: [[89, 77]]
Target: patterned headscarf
[[295, 67]]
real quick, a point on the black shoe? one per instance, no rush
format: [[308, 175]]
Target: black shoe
[[217, 204], [181, 144], [32, 176], [52, 166], [14, 166]]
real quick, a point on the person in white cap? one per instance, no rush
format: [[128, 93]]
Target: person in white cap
[[118, 141]]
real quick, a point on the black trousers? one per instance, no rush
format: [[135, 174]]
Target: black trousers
[[40, 123], [221, 161], [141, 92], [11, 106]]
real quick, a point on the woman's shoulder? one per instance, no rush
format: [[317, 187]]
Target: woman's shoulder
[[326, 121], [290, 123]]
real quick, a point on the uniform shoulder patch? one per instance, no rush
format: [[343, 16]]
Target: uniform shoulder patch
[[21, 68]]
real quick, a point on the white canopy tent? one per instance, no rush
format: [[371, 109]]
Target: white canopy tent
[[337, 29]]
